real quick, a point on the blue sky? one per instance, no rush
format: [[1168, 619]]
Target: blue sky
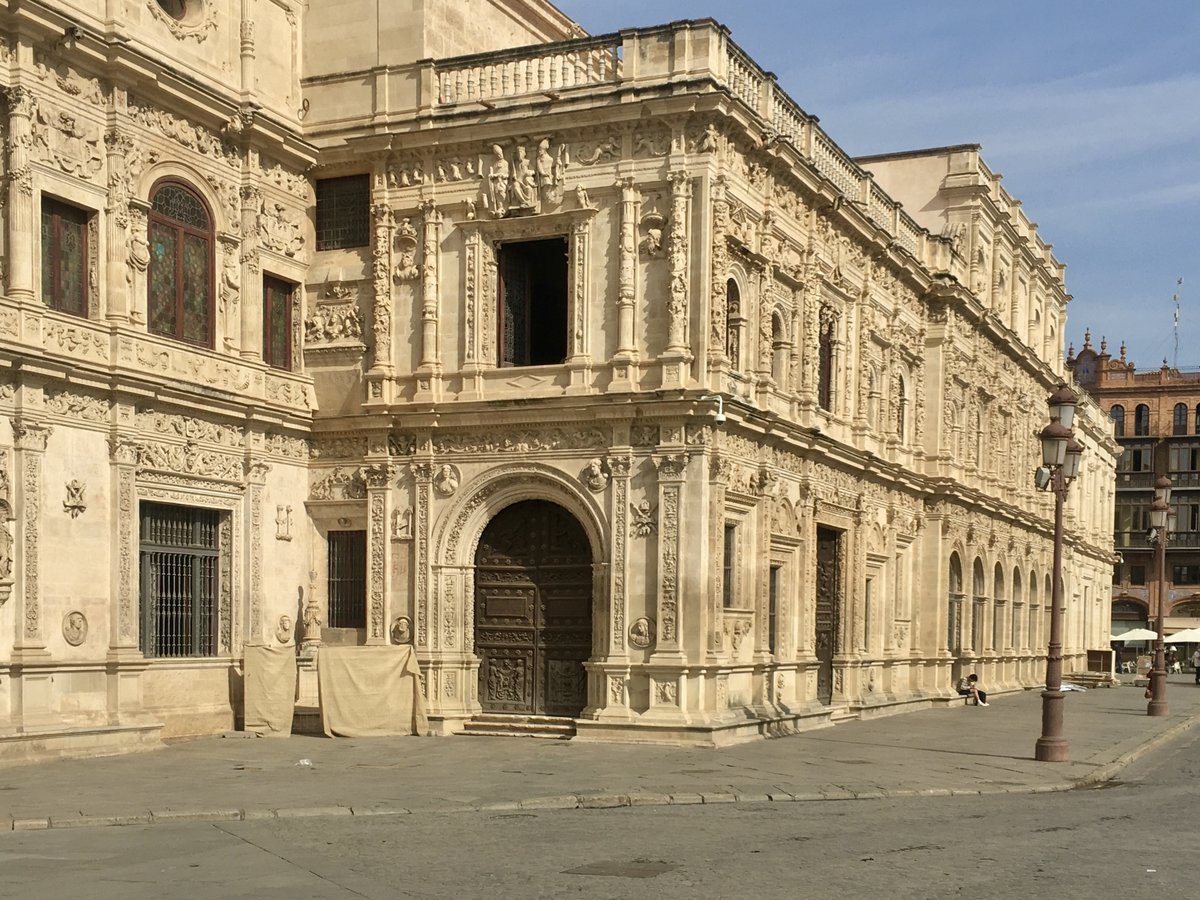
[[1091, 111]]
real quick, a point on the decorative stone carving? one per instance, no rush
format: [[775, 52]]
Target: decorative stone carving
[[643, 523], [402, 524], [198, 19], [642, 633], [62, 139], [283, 522], [285, 630], [522, 186], [446, 481], [406, 251], [75, 504], [340, 484], [311, 634], [522, 441], [189, 459], [595, 475], [75, 628], [666, 692], [402, 630], [652, 227], [277, 231]]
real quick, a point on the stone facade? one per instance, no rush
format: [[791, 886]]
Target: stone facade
[[623, 279]]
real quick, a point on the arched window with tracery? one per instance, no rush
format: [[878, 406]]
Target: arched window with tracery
[[1179, 419], [1117, 414], [1018, 600], [1141, 420], [978, 604], [998, 609], [179, 296]]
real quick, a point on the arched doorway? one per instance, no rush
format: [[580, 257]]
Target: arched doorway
[[533, 611]]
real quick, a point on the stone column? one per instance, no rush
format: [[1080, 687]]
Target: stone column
[[670, 467], [627, 272], [720, 468], [247, 272], [30, 440], [430, 370], [124, 624], [718, 292], [22, 216], [118, 288], [379, 497], [382, 364], [256, 478], [578, 307]]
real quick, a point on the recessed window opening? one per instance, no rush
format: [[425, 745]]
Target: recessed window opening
[[347, 581], [277, 322], [532, 301], [343, 212], [773, 608], [64, 257], [727, 570], [180, 571]]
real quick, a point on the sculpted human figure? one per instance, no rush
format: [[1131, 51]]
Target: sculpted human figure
[[523, 189], [498, 177]]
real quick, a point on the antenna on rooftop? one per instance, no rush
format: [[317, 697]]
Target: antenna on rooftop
[[1175, 299]]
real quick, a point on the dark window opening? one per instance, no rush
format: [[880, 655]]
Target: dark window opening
[[180, 570], [1185, 574], [1117, 414], [1141, 420], [773, 607], [1179, 419], [1137, 575], [727, 565], [532, 300], [277, 322], [1116, 574], [64, 257], [347, 579], [825, 364], [343, 212]]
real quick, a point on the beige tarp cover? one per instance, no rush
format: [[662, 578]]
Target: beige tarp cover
[[270, 689], [370, 691]]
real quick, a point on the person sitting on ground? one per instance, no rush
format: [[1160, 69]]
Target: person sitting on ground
[[968, 686]]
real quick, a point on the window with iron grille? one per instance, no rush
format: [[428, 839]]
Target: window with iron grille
[[64, 257], [347, 579], [180, 573], [277, 322], [343, 212]]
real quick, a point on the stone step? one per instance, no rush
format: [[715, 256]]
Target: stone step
[[495, 725]]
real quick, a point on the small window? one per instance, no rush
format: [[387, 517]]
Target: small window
[[1117, 414], [1196, 427], [733, 324], [347, 579], [64, 257], [180, 293], [727, 570], [1179, 420], [825, 364], [532, 318], [1137, 575], [1141, 420], [1185, 575], [773, 607], [277, 322], [343, 212]]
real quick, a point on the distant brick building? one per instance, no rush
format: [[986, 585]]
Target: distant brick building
[[1156, 420]]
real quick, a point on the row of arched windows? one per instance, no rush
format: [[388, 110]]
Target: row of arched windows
[[1014, 623], [1181, 417]]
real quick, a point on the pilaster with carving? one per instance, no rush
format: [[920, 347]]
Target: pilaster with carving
[[718, 292], [422, 473], [123, 455], [430, 279], [382, 364], [620, 463], [579, 305], [22, 104], [379, 481], [677, 356], [671, 468], [119, 293], [247, 271], [256, 476], [720, 470], [30, 441]]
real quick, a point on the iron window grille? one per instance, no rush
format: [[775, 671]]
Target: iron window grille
[[347, 580], [180, 573]]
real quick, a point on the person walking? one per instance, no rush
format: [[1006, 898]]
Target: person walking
[[1196, 664], [968, 686]]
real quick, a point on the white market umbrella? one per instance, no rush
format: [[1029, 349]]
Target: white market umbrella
[[1137, 634], [1187, 636]]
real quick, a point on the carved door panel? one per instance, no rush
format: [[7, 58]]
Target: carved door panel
[[533, 598], [829, 603]]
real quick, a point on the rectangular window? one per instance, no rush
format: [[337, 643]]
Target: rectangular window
[[180, 565], [64, 257], [727, 569], [277, 322], [1185, 458], [1185, 575], [1137, 575], [347, 579], [825, 367], [343, 212], [532, 315], [773, 607]]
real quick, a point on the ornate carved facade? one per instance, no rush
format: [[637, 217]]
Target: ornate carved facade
[[779, 416]]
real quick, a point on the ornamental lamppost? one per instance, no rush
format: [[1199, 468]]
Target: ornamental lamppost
[[1060, 465], [1160, 533]]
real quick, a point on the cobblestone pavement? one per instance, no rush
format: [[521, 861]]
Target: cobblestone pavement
[[935, 751]]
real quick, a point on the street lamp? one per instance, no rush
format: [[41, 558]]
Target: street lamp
[[1160, 533], [1061, 454]]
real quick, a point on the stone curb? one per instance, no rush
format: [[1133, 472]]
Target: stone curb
[[775, 794]]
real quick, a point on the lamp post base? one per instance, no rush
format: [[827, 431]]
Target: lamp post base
[[1158, 695], [1051, 746]]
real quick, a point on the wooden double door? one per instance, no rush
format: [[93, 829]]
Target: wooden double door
[[533, 611]]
